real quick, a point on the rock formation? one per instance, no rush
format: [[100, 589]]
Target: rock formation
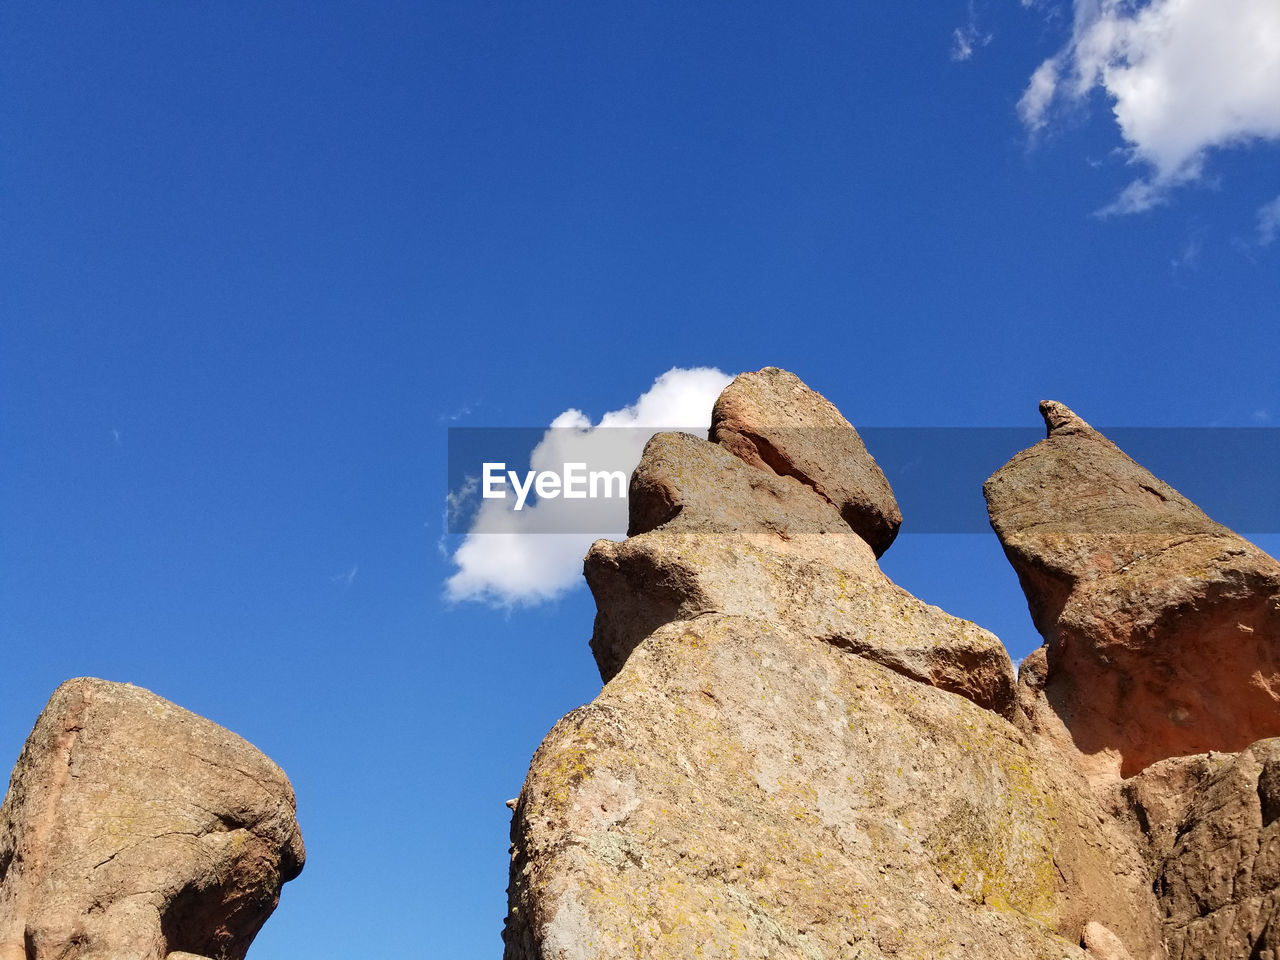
[[1162, 648], [1161, 627], [739, 790], [710, 533], [793, 757], [135, 829]]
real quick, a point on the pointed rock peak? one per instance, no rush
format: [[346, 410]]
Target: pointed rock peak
[[773, 421], [1060, 420], [1160, 624]]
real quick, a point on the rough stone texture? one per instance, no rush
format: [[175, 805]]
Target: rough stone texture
[[1161, 627], [711, 534], [1219, 874], [135, 829], [1102, 943], [1158, 800], [685, 483], [773, 421], [740, 790], [825, 587]]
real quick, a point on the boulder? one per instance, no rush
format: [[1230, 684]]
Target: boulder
[[1161, 627], [741, 790], [773, 421], [134, 828], [1101, 943]]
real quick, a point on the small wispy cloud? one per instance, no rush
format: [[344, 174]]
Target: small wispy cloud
[[1269, 222], [458, 503], [345, 580], [115, 437], [968, 38], [1188, 256], [454, 416]]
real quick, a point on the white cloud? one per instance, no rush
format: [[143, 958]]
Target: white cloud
[[510, 557], [1184, 77], [965, 40], [1269, 222]]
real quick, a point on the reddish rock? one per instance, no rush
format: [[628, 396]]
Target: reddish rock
[[1161, 627]]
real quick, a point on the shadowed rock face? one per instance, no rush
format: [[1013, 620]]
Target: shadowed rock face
[[773, 421], [135, 829], [1162, 628]]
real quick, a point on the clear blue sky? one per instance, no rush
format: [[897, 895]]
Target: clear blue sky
[[258, 257]]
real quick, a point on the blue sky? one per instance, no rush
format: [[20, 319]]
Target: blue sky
[[257, 258]]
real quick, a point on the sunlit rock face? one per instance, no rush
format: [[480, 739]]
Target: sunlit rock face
[[135, 829]]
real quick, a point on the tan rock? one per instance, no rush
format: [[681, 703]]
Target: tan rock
[[685, 483], [712, 534], [1101, 943], [772, 420], [741, 790], [1161, 626], [1157, 801], [825, 587], [135, 829]]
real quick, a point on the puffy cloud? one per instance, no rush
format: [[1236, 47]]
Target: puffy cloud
[[513, 557], [1184, 77]]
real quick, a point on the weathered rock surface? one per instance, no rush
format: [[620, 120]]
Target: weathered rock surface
[[772, 420], [794, 758], [712, 534], [1161, 627], [827, 588], [135, 829], [689, 484], [740, 790]]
